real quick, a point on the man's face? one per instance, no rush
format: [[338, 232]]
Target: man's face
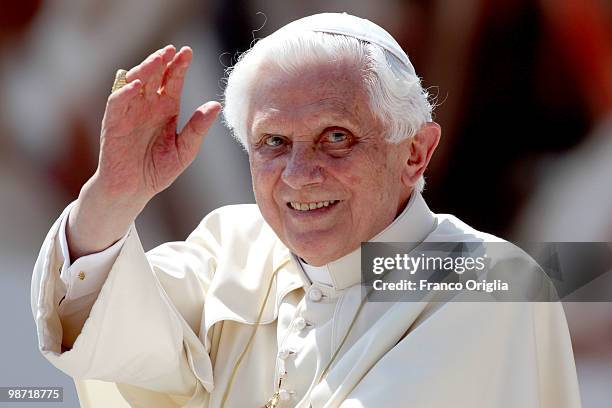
[[324, 177]]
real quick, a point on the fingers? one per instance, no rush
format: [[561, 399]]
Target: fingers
[[119, 101], [192, 134], [151, 70], [174, 77]]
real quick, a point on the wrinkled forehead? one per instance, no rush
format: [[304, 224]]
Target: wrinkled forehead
[[310, 97]]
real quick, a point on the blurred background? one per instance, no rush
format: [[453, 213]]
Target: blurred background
[[524, 95]]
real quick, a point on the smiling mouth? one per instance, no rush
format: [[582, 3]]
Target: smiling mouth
[[311, 206]]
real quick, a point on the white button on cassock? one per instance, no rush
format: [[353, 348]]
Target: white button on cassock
[[284, 353], [300, 323], [282, 372], [284, 394], [315, 294]]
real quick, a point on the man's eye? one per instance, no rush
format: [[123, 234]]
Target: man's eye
[[336, 136], [273, 141]]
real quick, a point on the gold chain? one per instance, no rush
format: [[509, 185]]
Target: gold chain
[[251, 337], [273, 401]]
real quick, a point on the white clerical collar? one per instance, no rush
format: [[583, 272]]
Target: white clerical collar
[[414, 224], [319, 274]]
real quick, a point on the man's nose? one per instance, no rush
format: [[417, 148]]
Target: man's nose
[[303, 167]]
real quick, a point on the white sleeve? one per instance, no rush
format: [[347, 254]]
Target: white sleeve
[[136, 329], [87, 274], [80, 282]]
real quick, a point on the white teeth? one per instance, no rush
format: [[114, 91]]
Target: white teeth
[[311, 206]]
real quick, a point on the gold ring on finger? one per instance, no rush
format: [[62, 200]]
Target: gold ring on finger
[[120, 80]]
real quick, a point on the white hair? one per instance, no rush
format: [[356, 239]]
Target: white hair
[[396, 95]]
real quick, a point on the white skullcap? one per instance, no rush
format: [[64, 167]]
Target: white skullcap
[[351, 26]]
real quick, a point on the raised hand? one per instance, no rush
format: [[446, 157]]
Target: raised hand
[[141, 152]]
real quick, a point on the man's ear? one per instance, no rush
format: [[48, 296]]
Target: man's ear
[[422, 146]]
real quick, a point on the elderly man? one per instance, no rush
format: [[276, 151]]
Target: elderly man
[[262, 304]]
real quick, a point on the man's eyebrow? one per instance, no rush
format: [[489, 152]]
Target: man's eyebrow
[[272, 127], [266, 124]]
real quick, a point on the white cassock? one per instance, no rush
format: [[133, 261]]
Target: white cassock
[[174, 326]]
